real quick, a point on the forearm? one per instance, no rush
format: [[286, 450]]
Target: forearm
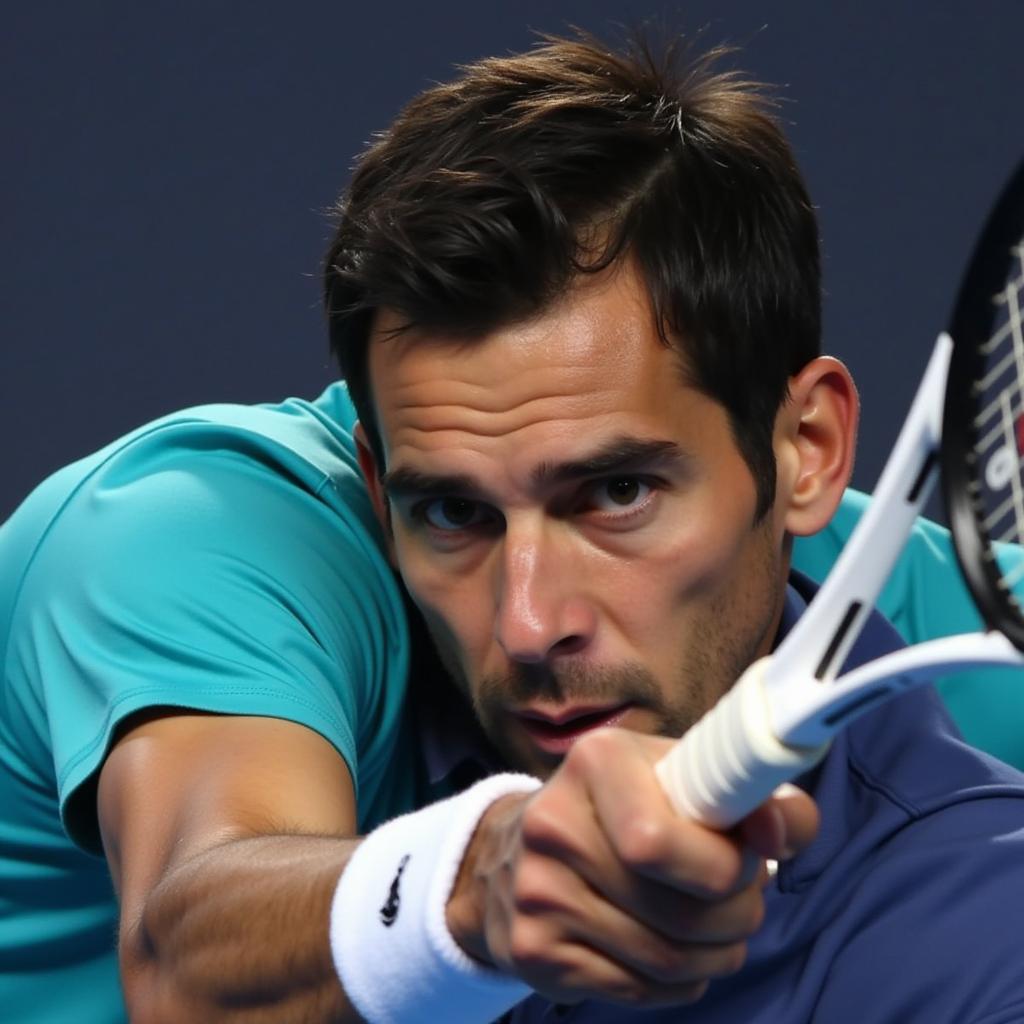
[[240, 933]]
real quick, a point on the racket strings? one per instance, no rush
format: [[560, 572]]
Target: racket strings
[[997, 491], [1008, 295]]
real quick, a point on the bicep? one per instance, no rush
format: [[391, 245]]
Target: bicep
[[178, 783]]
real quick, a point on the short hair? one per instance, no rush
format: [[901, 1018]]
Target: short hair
[[489, 196]]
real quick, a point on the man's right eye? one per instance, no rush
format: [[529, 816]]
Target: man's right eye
[[452, 514]]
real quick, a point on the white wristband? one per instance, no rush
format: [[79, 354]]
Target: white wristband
[[391, 946]]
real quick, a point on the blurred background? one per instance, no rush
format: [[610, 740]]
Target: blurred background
[[166, 167]]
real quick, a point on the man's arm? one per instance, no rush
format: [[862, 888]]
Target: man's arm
[[227, 836]]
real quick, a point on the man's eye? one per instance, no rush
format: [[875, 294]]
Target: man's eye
[[452, 513], [621, 493]]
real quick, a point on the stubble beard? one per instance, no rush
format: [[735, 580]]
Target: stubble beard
[[714, 658], [711, 667]]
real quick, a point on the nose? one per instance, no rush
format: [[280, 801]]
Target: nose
[[542, 610]]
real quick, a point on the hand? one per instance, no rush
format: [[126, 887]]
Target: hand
[[595, 888]]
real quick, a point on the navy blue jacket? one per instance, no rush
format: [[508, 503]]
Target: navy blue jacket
[[909, 905]]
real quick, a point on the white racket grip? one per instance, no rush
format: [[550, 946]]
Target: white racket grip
[[731, 761]]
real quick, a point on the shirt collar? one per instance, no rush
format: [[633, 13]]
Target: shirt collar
[[454, 749]]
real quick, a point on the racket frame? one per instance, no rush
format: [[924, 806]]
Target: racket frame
[[778, 720], [1000, 246]]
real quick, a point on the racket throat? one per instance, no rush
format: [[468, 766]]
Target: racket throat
[[827, 667], [834, 707], [820, 642]]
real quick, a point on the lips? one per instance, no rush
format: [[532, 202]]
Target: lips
[[556, 732]]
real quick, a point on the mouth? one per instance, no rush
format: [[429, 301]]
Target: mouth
[[555, 732]]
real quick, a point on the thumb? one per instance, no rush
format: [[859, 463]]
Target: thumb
[[782, 826]]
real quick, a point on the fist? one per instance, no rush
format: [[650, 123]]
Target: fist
[[594, 887]]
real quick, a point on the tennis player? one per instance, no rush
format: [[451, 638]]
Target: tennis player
[[575, 298]]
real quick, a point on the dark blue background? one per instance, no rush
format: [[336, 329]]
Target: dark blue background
[[165, 166]]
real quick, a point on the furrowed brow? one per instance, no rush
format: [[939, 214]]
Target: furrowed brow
[[620, 455]]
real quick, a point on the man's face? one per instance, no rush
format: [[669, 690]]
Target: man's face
[[574, 521]]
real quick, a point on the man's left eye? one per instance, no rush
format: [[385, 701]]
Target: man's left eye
[[620, 493], [451, 514]]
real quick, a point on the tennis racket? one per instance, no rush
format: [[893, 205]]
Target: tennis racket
[[967, 419]]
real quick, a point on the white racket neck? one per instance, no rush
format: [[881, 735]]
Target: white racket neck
[[732, 759], [838, 704], [818, 644]]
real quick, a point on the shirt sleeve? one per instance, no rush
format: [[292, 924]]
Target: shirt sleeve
[[205, 577]]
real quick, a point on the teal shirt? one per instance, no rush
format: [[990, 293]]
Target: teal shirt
[[926, 598], [227, 559], [224, 559]]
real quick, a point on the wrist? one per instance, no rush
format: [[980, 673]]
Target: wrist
[[390, 943], [466, 912]]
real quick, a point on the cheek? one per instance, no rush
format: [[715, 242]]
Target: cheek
[[453, 604], [711, 548], [684, 584]]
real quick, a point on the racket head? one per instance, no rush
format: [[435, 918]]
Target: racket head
[[983, 415]]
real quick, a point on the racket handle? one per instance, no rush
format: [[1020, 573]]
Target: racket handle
[[730, 762]]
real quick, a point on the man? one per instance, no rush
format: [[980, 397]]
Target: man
[[590, 455], [206, 654]]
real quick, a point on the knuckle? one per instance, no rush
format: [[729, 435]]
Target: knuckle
[[733, 957], [629, 990], [690, 993], [697, 964], [721, 876], [543, 824], [527, 945], [594, 751], [643, 842], [533, 888], [670, 964]]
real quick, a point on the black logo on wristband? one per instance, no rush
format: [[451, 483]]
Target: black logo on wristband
[[389, 912]]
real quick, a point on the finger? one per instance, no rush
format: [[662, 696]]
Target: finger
[[763, 832], [646, 833], [571, 972], [685, 919], [555, 833], [574, 942], [801, 817], [753, 870], [677, 917], [662, 962], [782, 826]]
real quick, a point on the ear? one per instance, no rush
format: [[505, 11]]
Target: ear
[[815, 441], [371, 474]]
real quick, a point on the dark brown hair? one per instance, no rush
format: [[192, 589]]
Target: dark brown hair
[[489, 195]]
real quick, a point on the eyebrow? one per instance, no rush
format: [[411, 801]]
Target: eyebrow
[[619, 455], [405, 482]]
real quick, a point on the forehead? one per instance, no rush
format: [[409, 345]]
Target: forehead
[[589, 367]]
